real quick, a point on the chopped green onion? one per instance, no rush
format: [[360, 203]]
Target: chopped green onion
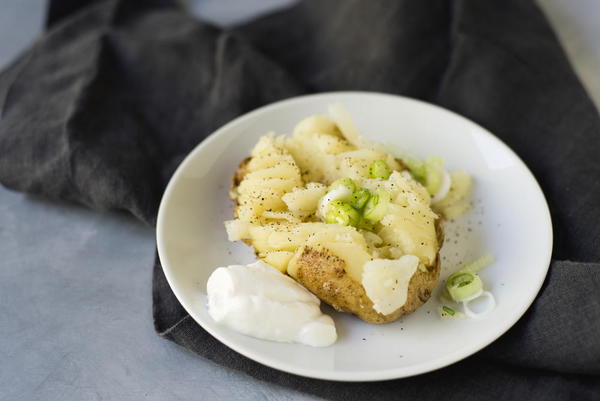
[[491, 304], [434, 174], [359, 198], [380, 169], [448, 313], [377, 206], [415, 166], [434, 161], [449, 310], [340, 212], [365, 224], [343, 182], [463, 285], [478, 264]]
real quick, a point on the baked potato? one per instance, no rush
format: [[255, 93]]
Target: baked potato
[[380, 269]]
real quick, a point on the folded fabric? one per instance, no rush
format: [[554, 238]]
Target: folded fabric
[[108, 102], [105, 105]]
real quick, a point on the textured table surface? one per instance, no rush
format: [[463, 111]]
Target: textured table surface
[[70, 278]]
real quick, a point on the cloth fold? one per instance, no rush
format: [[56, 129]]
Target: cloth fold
[[106, 104]]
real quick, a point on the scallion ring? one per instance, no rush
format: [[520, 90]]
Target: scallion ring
[[340, 212], [477, 315], [463, 285], [415, 166], [377, 206], [359, 198], [380, 169], [343, 182], [434, 175]]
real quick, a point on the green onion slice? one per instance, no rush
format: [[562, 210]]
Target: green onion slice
[[463, 285], [365, 224], [340, 212], [343, 182], [478, 265], [359, 198], [434, 174], [415, 166], [380, 169], [448, 310], [377, 206]]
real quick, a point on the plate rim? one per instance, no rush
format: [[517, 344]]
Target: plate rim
[[353, 376]]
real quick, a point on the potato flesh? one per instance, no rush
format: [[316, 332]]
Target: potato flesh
[[315, 165], [386, 282], [409, 226], [324, 156], [268, 239], [303, 202], [411, 230], [355, 164], [458, 199], [316, 123], [271, 173], [278, 259], [330, 144]]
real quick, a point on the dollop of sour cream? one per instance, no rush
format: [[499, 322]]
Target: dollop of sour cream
[[259, 301]]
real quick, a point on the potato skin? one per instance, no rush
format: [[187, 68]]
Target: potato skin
[[323, 274]]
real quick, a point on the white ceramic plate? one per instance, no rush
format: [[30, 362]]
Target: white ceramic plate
[[510, 219]]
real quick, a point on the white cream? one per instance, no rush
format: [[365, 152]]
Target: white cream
[[259, 301]]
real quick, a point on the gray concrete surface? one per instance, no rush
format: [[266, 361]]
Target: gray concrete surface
[[71, 279]]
